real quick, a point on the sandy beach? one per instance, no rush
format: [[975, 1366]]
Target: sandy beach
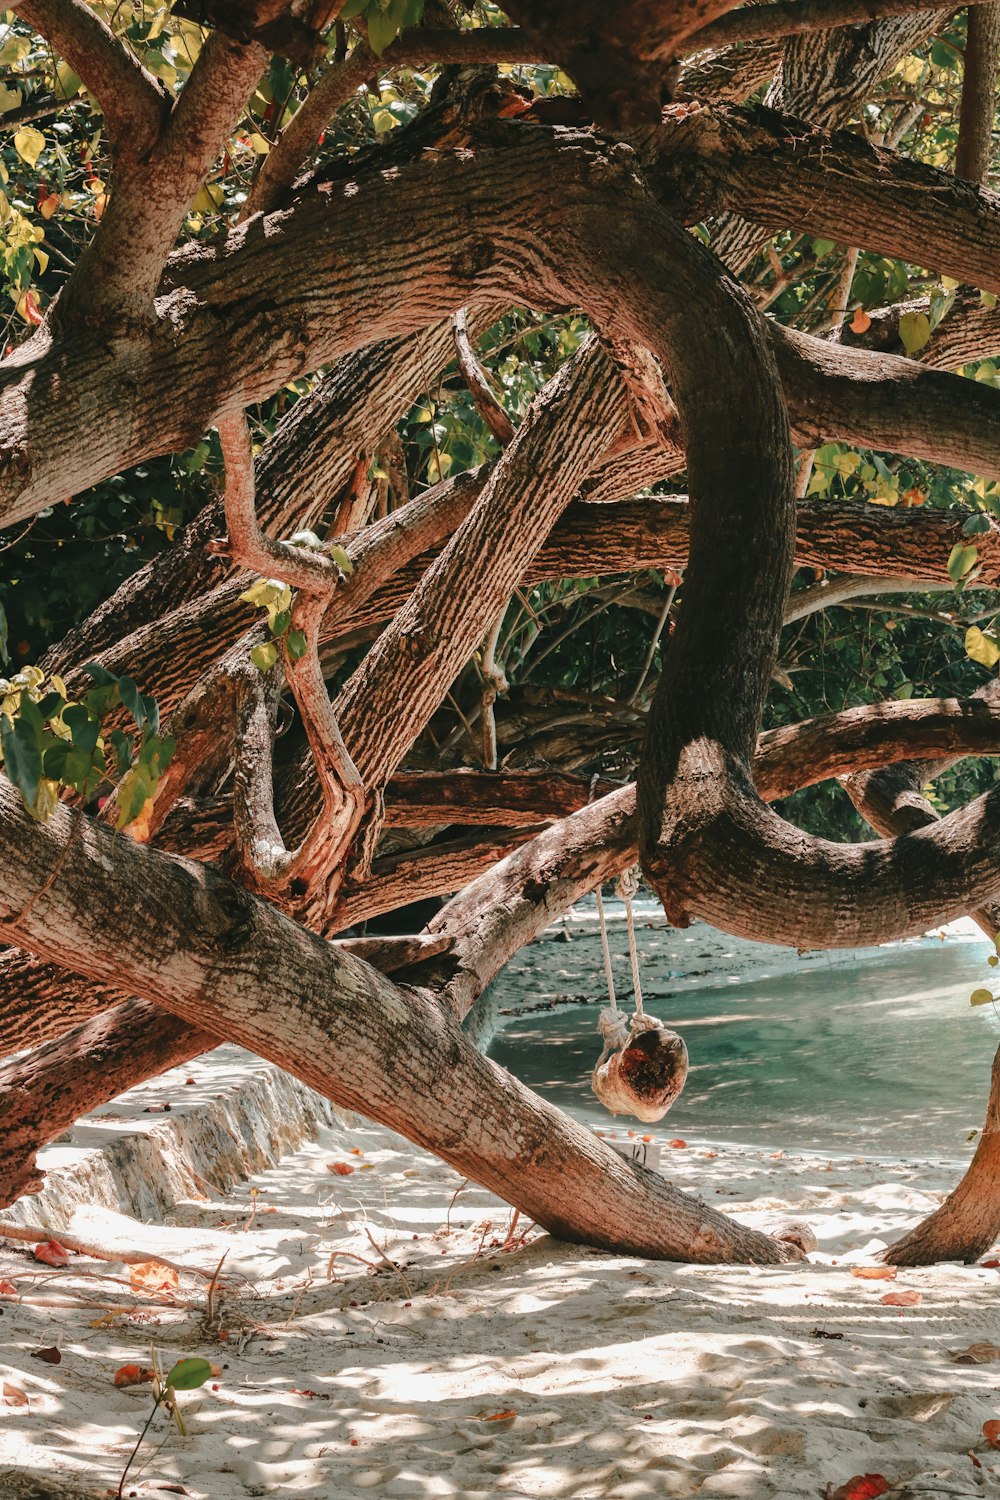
[[382, 1327]]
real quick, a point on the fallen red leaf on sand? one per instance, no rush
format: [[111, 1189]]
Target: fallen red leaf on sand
[[13, 1395], [678, 1145], [49, 1356], [976, 1354], [342, 1168], [901, 1299], [861, 1487], [133, 1375], [150, 1276], [975, 1461], [874, 1273], [496, 1416], [992, 1265], [7, 1289], [991, 1432], [51, 1253]]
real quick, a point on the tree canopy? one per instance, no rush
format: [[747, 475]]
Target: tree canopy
[[457, 451]]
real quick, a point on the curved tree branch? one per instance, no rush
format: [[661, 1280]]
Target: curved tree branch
[[131, 100]]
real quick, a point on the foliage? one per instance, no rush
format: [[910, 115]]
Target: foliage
[[51, 744], [573, 653]]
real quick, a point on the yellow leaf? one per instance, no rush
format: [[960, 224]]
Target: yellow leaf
[[14, 50], [981, 997], [208, 199], [68, 81], [9, 98], [981, 648], [29, 144]]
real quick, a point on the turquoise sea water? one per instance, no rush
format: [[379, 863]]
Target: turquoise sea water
[[886, 1058]]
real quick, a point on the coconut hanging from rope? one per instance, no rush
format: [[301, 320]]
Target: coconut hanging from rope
[[645, 1076], [644, 1065]]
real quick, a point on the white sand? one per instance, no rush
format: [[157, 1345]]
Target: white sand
[[628, 1379]]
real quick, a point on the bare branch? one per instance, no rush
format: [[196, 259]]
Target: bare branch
[[778, 172], [118, 274], [325, 844], [412, 49], [792, 17], [131, 100], [979, 93], [474, 375]]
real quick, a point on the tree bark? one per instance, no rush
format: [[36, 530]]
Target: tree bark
[[968, 1221], [205, 949]]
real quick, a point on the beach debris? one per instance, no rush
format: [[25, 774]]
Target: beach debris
[[13, 1395], [823, 1333], [49, 1356], [874, 1273], [861, 1487], [127, 1375], [51, 1253], [976, 1354], [991, 1432], [677, 1145], [7, 1289], [901, 1299], [342, 1168]]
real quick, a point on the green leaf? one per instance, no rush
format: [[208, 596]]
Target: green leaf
[[51, 705], [264, 656], [279, 623], [100, 674], [976, 524], [296, 643], [385, 21], [988, 300], [83, 729], [54, 759], [188, 1374], [152, 712], [133, 700], [915, 332], [822, 247], [22, 756], [341, 558], [981, 997], [961, 560], [981, 648], [122, 745]]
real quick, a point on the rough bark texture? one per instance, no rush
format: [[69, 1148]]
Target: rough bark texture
[[486, 201]]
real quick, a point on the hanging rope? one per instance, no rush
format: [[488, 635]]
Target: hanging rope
[[628, 885], [611, 1023], [644, 1064]]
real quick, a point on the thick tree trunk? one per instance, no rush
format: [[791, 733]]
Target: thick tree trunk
[[42, 1094], [205, 949], [968, 1221]]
